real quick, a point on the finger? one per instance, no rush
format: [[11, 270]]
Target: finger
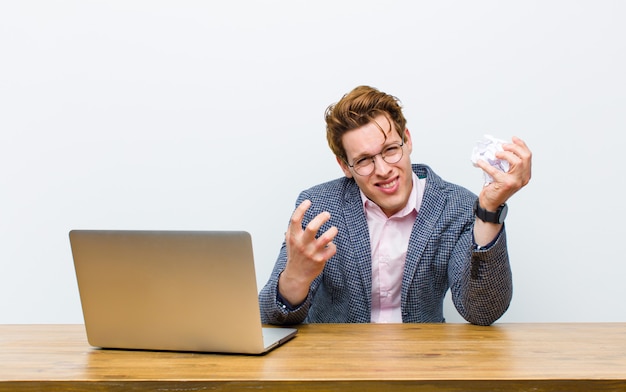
[[326, 239], [511, 157], [310, 231], [487, 168], [520, 165], [519, 142], [518, 147], [295, 224], [329, 251], [518, 156]]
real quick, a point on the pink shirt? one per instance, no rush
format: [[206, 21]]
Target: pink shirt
[[389, 238]]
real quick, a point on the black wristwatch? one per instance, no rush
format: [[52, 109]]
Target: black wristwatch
[[491, 217]]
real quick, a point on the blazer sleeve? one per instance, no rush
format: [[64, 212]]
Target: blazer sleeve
[[273, 311], [481, 280]]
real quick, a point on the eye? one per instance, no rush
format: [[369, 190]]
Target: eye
[[391, 150], [362, 161]]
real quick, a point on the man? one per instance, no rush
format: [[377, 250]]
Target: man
[[385, 242]]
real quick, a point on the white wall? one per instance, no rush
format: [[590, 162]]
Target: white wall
[[209, 115]]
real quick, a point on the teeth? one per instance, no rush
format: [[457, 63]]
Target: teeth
[[389, 184]]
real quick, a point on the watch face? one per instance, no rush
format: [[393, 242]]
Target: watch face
[[488, 216], [503, 211]]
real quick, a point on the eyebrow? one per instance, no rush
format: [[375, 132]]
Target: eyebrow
[[385, 135], [385, 145]]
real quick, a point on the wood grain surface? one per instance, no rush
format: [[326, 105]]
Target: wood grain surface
[[359, 357]]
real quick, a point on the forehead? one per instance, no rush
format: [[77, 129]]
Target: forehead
[[369, 138]]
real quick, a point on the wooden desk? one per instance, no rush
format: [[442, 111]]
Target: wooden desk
[[363, 357]]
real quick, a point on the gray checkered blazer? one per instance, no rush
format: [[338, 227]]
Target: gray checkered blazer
[[441, 255]]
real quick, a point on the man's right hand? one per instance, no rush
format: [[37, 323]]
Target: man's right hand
[[306, 254]]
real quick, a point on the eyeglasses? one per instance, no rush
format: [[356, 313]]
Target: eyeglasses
[[390, 154]]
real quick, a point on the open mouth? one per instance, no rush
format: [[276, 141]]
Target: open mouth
[[389, 185]]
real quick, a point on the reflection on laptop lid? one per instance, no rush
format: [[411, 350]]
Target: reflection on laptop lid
[[171, 290]]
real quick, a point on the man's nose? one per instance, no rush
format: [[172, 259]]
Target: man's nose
[[380, 166]]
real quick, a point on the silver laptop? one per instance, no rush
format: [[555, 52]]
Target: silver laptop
[[171, 290]]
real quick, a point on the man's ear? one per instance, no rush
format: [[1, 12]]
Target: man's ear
[[408, 141], [344, 167]]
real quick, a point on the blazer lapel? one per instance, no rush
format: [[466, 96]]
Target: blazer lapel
[[360, 266], [427, 218]]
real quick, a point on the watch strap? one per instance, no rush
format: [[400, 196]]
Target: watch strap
[[490, 216]]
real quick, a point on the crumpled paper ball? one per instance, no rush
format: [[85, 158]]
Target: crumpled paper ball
[[486, 150]]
